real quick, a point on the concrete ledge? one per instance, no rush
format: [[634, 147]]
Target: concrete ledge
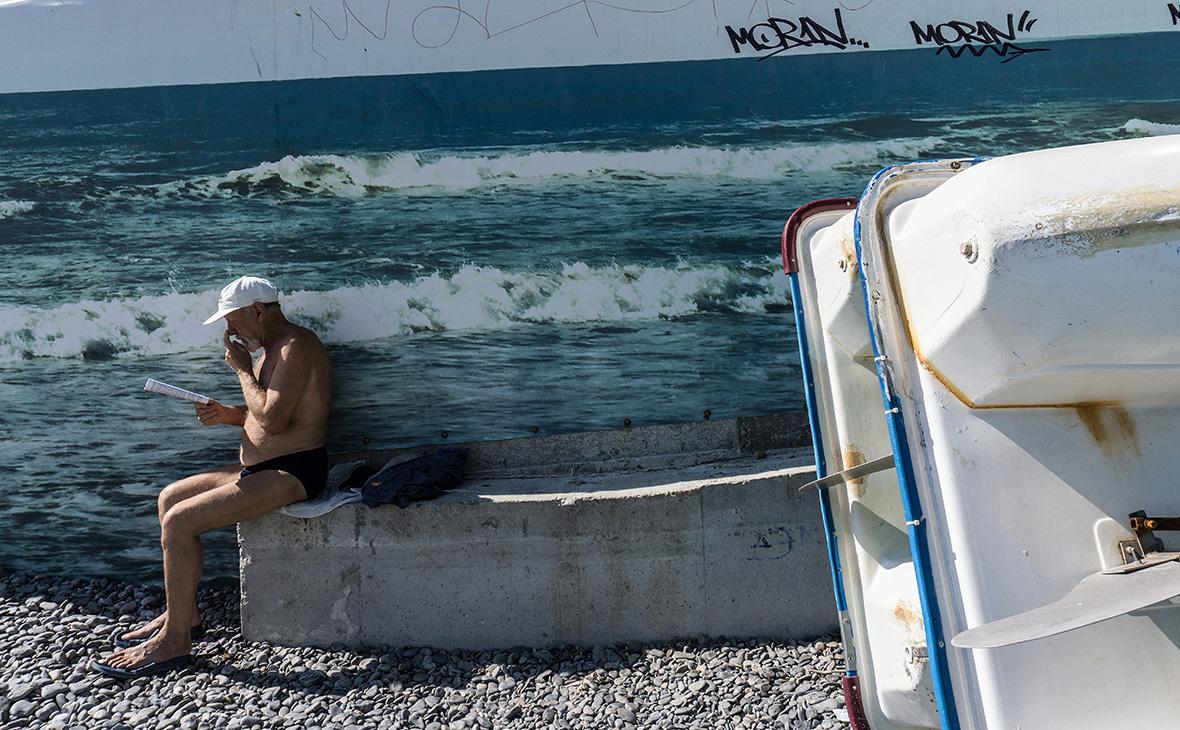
[[726, 548], [625, 449]]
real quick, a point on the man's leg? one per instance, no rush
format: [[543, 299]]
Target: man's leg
[[244, 499], [170, 496], [182, 489]]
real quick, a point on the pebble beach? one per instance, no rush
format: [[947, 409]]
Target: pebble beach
[[51, 628]]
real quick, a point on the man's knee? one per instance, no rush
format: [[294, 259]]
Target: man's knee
[[176, 524], [173, 494], [166, 500], [182, 489]]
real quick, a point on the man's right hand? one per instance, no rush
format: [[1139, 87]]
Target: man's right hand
[[213, 413]]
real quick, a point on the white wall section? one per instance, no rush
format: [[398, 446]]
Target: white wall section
[[91, 44]]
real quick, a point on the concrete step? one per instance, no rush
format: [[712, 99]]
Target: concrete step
[[725, 548]]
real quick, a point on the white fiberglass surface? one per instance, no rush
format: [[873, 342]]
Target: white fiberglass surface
[[1005, 273], [1021, 491], [1023, 500], [878, 573]]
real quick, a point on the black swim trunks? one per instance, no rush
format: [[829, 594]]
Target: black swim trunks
[[309, 467]]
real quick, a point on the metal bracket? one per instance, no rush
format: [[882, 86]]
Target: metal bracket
[[1142, 526], [855, 472], [1145, 561], [1130, 552], [917, 653], [848, 639], [1141, 522], [1146, 549]]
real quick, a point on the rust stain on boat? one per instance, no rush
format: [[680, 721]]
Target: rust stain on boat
[[1086, 226], [908, 617], [1111, 427], [848, 257], [852, 456], [1090, 224]]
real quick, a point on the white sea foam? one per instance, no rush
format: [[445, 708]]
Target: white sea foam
[[1150, 129], [9, 208], [356, 176], [474, 298]]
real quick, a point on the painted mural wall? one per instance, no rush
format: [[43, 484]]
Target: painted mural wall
[[87, 44], [504, 218]]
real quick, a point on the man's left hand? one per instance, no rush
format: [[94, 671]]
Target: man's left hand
[[237, 356]]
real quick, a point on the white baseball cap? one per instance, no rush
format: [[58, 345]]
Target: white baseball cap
[[242, 292]]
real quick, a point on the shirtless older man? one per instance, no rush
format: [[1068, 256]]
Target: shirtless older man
[[282, 460]]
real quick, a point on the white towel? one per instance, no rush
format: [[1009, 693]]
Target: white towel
[[332, 497]]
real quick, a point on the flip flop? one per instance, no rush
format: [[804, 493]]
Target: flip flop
[[117, 639], [147, 670]]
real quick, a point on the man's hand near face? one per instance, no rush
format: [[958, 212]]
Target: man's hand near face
[[237, 356]]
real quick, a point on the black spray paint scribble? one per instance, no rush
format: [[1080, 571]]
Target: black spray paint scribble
[[348, 13], [765, 7], [459, 14], [958, 37], [777, 35], [779, 541], [1174, 12]]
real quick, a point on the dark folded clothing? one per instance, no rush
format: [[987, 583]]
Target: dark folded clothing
[[423, 477]]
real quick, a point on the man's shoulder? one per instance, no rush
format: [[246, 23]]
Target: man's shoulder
[[300, 340]]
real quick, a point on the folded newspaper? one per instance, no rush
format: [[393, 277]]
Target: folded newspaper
[[156, 386]]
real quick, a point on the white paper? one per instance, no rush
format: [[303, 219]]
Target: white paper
[[156, 386]]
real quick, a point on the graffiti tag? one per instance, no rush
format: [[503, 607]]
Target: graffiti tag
[[343, 34], [779, 34], [958, 37], [778, 540], [453, 13]]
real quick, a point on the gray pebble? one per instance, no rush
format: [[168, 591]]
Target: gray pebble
[[51, 628], [21, 691], [21, 708]]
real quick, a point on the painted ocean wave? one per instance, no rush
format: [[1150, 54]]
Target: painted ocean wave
[[360, 175], [1145, 128], [10, 208], [473, 298]]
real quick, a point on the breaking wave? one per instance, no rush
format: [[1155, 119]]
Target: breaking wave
[[360, 175], [474, 298], [1145, 128], [10, 208]]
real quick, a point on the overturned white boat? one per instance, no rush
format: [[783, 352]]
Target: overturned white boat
[[1006, 330]]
